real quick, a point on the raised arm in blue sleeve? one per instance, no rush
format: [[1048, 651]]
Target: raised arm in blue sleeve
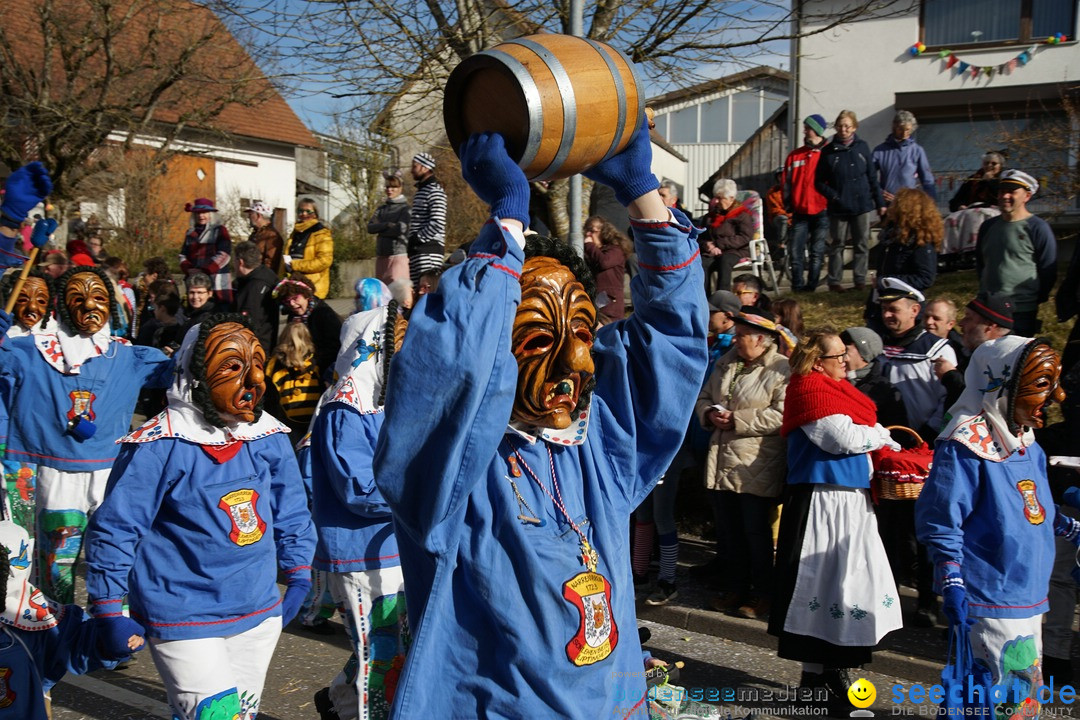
[[154, 368], [451, 390], [649, 367], [945, 503]]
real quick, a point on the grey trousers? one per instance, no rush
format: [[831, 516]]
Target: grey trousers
[[857, 227]]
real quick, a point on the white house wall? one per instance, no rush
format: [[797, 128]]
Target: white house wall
[[861, 67], [669, 167], [250, 169]]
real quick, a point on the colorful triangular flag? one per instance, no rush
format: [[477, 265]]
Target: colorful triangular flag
[[951, 61], [962, 67]]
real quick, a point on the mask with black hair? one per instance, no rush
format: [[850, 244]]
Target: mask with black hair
[[86, 300], [226, 366], [33, 305]]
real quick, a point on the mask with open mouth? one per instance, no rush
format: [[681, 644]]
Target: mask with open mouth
[[1037, 385], [235, 362], [552, 341], [88, 302], [32, 303]]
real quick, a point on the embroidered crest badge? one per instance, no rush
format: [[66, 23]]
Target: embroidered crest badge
[[7, 695], [82, 403], [247, 526], [1033, 511], [597, 633]]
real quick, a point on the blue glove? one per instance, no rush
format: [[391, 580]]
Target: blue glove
[[295, 592], [113, 633], [1066, 527], [494, 177], [1072, 497], [24, 189], [5, 323], [628, 173], [954, 600], [43, 228]]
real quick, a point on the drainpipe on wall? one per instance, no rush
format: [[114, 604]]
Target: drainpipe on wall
[[794, 114]]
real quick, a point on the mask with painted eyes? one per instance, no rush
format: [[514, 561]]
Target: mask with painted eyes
[[87, 301], [235, 362], [1037, 387], [32, 304], [552, 341]]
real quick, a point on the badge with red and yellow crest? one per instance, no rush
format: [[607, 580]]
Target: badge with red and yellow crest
[[82, 403], [7, 695], [597, 633], [1033, 510], [247, 526]]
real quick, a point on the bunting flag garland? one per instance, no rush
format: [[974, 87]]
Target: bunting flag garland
[[963, 68]]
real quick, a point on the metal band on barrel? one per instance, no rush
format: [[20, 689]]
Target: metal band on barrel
[[640, 87], [566, 92], [620, 91], [533, 102]]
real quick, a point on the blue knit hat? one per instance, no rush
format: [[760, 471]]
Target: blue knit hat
[[816, 123]]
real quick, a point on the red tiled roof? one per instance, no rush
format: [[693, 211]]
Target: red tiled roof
[[159, 34]]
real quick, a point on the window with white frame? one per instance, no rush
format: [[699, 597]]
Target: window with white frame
[[731, 118], [950, 23]]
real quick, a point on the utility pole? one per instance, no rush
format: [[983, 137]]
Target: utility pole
[[577, 241]]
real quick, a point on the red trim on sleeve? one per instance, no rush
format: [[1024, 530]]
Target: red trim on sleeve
[[671, 267]]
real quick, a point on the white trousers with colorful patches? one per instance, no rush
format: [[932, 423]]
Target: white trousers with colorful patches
[[220, 677], [65, 501], [373, 604], [1012, 649]]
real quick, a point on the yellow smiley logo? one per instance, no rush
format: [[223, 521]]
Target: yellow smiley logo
[[862, 693]]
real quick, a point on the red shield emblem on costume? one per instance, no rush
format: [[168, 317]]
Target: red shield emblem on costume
[[1033, 510], [7, 695], [247, 526], [82, 403], [597, 633]]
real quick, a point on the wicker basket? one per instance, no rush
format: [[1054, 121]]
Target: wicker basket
[[899, 475]]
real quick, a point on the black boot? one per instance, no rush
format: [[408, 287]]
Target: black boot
[[1059, 668], [324, 707], [838, 680]]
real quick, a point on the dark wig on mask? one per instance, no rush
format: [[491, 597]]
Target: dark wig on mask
[[5, 575], [59, 290], [200, 391], [1014, 382], [7, 286], [541, 246]]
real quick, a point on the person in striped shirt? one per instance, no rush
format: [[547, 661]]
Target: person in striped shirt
[[427, 232]]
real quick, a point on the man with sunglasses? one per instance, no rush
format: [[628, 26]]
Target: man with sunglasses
[[311, 248]]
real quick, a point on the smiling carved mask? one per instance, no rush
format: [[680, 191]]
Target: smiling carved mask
[[235, 362], [87, 301], [552, 341]]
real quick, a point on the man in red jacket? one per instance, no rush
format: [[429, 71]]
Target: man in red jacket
[[806, 206]]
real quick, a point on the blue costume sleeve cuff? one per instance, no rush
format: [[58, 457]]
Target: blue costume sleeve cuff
[[665, 245], [500, 244]]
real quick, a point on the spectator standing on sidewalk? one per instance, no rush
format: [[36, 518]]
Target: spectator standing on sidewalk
[[806, 206], [427, 229]]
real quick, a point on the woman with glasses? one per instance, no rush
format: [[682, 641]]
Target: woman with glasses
[[311, 248], [835, 597]]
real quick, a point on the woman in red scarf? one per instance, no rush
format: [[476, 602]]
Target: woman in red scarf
[[835, 597], [726, 240]]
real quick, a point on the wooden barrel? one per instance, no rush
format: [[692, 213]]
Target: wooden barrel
[[562, 103]]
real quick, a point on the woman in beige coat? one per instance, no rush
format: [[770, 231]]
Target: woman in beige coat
[[743, 403]]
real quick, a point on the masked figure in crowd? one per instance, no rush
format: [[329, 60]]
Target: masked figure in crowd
[[72, 394], [517, 441], [986, 515], [205, 506]]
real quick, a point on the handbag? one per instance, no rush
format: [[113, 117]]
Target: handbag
[[966, 680]]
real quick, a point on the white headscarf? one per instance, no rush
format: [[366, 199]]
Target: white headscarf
[[183, 419], [980, 419]]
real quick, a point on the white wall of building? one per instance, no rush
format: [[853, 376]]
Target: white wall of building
[[861, 67], [666, 166]]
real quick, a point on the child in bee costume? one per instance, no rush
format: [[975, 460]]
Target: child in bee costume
[[40, 640], [205, 504], [73, 393]]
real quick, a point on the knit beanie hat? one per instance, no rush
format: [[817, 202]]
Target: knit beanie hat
[[816, 123], [867, 342], [424, 159]]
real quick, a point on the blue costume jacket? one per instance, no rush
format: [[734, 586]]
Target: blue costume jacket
[[32, 662], [350, 513], [43, 400], [507, 622], [198, 543], [995, 520]]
